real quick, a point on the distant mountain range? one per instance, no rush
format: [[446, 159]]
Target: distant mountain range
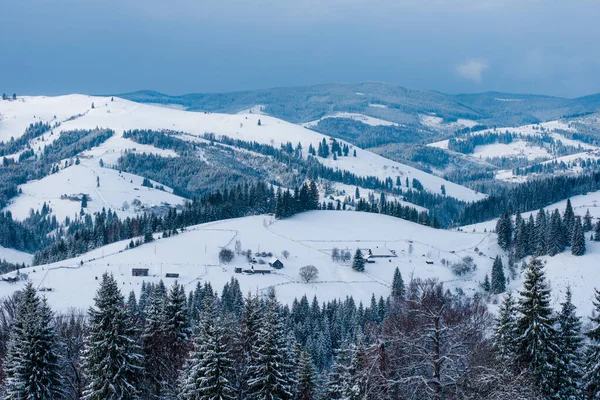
[[381, 100]]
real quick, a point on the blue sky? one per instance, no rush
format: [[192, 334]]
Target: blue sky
[[186, 46]]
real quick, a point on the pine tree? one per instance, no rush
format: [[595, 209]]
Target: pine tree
[[578, 241], [536, 336], [398, 289], [597, 232], [154, 344], [569, 219], [486, 283], [498, 283], [555, 239], [567, 372], [587, 221], [111, 358], [540, 245], [520, 237], [306, 378], [31, 366], [504, 334], [268, 365], [338, 379], [358, 262], [504, 231], [591, 379], [208, 369]]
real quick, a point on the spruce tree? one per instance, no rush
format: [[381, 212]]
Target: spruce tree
[[591, 379], [520, 237], [555, 240], [338, 379], [540, 245], [208, 370], [498, 283], [358, 262], [269, 364], [306, 376], [111, 358], [536, 335], [567, 374], [587, 221], [504, 231], [398, 289], [31, 366], [578, 240], [504, 334], [569, 219]]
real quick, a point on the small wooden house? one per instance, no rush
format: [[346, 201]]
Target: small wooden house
[[261, 269], [275, 263], [139, 272], [172, 275]]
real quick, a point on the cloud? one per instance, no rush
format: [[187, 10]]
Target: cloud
[[473, 69]]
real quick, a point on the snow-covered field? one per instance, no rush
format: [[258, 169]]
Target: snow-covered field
[[365, 119], [15, 256], [309, 238], [517, 148], [438, 123], [121, 115]]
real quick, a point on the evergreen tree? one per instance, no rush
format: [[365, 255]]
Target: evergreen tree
[[398, 289], [555, 239], [587, 221], [111, 358], [536, 336], [569, 219], [358, 262], [504, 334], [306, 385], [269, 364], [591, 379], [597, 232], [568, 372], [31, 366], [521, 237], [540, 245], [504, 231], [338, 379], [578, 240], [498, 283], [486, 283], [207, 372]]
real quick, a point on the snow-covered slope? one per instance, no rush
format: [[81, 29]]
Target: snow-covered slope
[[365, 119], [309, 238], [15, 256], [122, 115]]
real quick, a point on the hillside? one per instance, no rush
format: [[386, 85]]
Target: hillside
[[119, 115]]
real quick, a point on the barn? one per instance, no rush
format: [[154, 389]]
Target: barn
[[139, 272], [275, 263]]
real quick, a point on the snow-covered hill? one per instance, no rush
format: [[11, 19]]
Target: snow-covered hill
[[15, 256], [309, 238], [121, 115]]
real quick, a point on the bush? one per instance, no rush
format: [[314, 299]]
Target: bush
[[225, 256], [309, 273]]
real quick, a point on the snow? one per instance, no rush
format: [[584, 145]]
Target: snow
[[15, 256], [257, 109], [377, 105], [115, 188], [121, 115], [517, 148], [365, 119], [309, 239], [435, 122]]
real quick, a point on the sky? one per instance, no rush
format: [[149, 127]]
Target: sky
[[546, 47]]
